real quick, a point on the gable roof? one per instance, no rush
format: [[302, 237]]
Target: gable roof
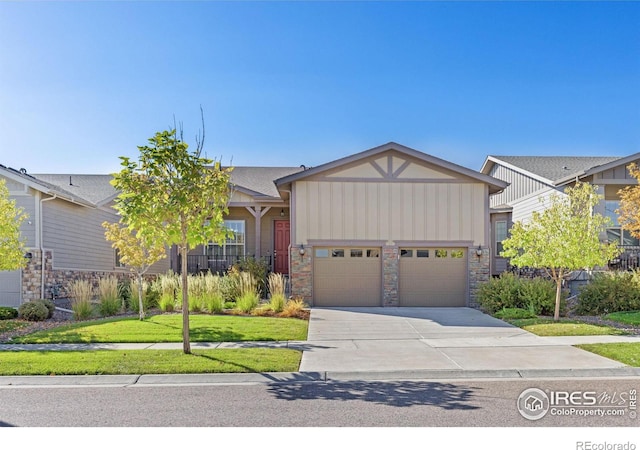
[[495, 185], [552, 170], [259, 181], [96, 189]]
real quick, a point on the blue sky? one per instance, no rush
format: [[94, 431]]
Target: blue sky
[[290, 83]]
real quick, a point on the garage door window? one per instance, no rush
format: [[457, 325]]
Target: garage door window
[[404, 253], [457, 254], [356, 253], [337, 253], [322, 253], [422, 253], [373, 253], [441, 253]]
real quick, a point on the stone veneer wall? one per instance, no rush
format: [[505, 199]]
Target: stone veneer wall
[[390, 270], [479, 272], [301, 273], [32, 277]]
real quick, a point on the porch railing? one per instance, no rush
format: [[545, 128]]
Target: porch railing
[[629, 259], [215, 263]]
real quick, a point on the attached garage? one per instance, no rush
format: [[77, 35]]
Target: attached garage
[[347, 276], [433, 277], [10, 288], [420, 214]]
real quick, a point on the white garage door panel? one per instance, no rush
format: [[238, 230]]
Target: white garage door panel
[[10, 288], [433, 277], [346, 276]]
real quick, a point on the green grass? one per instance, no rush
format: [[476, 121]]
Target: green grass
[[626, 317], [120, 362], [168, 328], [547, 327], [11, 325], [626, 353]]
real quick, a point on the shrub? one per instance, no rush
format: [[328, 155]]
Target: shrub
[[499, 293], [33, 311], [51, 307], [230, 286], [7, 313], [110, 303], [258, 268], [514, 313], [293, 308], [537, 295], [125, 294], [609, 292], [81, 293]]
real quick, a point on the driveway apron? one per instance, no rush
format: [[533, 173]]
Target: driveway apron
[[392, 339]]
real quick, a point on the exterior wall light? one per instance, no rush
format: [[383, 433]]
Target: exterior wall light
[[28, 255], [302, 251], [479, 251], [282, 212]]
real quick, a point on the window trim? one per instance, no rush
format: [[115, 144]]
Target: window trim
[[231, 242]]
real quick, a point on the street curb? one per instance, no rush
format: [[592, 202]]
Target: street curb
[[307, 377]]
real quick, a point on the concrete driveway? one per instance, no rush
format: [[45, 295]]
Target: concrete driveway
[[406, 339]]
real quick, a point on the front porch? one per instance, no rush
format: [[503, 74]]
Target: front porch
[[219, 264]]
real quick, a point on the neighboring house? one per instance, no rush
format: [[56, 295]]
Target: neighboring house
[[532, 179], [390, 226], [63, 233]]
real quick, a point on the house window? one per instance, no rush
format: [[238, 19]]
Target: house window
[[234, 245], [616, 234], [119, 262], [501, 235]]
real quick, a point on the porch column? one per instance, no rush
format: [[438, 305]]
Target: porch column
[[258, 212]]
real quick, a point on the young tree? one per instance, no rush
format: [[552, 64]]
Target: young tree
[[562, 238], [136, 254], [174, 196], [12, 246], [629, 211]]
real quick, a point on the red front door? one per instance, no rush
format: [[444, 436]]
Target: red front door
[[281, 241]]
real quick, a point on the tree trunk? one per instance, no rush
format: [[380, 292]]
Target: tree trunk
[[556, 313], [140, 300], [186, 345]]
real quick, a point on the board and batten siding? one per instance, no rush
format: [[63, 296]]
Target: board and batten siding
[[520, 185], [337, 210]]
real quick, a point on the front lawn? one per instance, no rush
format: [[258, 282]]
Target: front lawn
[[168, 328], [626, 317], [626, 353], [122, 362], [548, 327]]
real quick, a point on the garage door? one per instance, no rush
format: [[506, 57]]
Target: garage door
[[10, 287], [433, 277], [347, 276]]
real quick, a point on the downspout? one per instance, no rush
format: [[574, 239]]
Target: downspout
[[291, 232], [41, 233]]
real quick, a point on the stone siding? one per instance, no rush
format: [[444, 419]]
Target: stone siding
[[390, 272], [479, 272], [301, 274]]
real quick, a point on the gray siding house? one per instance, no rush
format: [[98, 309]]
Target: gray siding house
[[532, 179], [64, 235]]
